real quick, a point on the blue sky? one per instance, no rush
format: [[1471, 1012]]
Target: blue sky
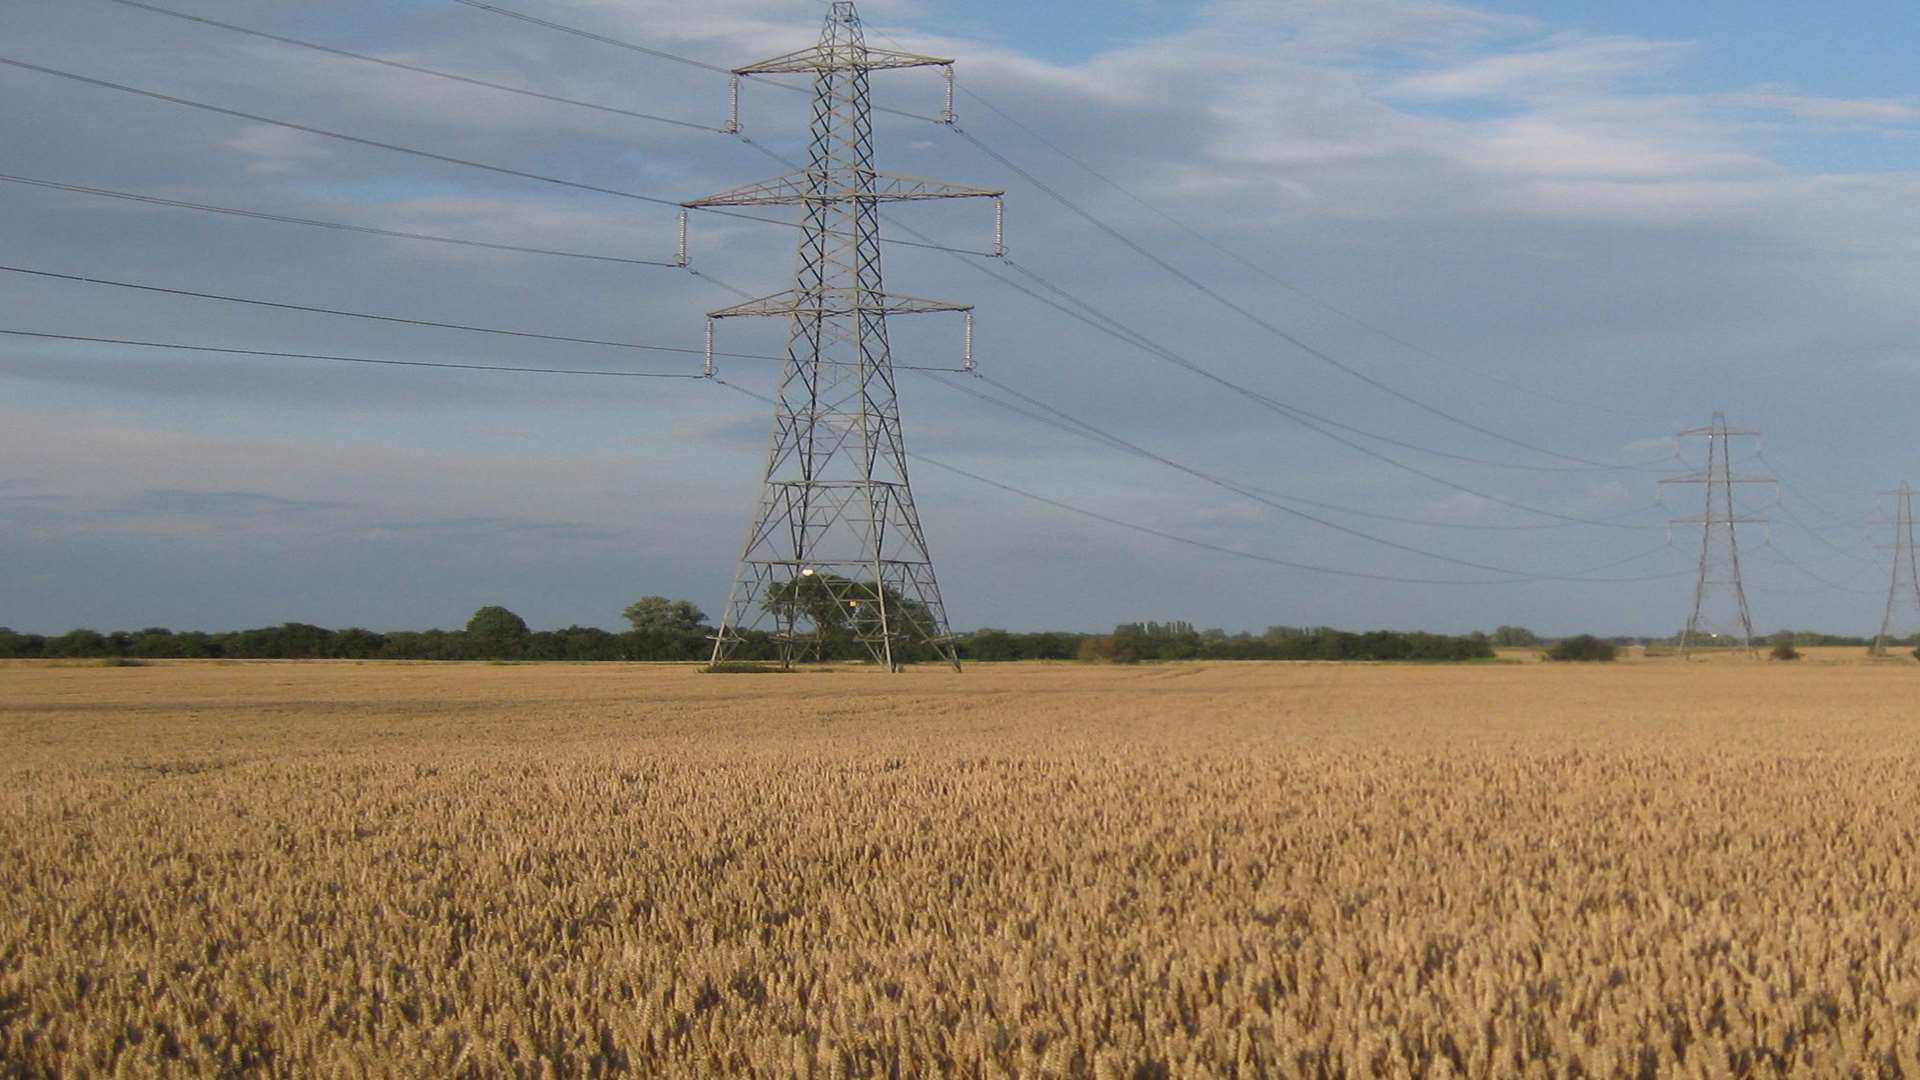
[[1581, 227]]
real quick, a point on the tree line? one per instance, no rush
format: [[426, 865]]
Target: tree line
[[668, 630], [676, 630], [1135, 642]]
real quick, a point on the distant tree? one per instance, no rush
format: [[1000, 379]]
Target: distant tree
[[496, 633], [355, 643], [154, 641], [424, 645], [194, 645], [584, 643], [78, 643], [289, 641], [659, 613], [1514, 637], [1586, 647], [1130, 643], [1098, 649], [13, 644], [990, 644], [841, 609]]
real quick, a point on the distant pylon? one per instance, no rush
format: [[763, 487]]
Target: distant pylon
[[836, 551], [1904, 565], [1719, 534]]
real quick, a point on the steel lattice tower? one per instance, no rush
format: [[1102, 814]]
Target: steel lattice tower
[[1719, 531], [836, 551], [1904, 565]]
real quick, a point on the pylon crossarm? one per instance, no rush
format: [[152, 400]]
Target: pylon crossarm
[[840, 57], [1718, 519], [795, 189], [1716, 480], [835, 302]]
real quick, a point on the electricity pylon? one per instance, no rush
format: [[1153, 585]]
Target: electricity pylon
[[1904, 565], [836, 551], [1719, 533]]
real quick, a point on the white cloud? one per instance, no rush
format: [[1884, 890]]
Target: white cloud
[[1568, 64], [1868, 112], [278, 151], [1339, 25]]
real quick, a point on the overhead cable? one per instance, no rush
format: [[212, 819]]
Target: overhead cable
[[1323, 425], [155, 200], [1276, 279], [1051, 416], [1115, 328], [415, 68], [1098, 320], [182, 347], [662, 54], [1271, 328], [229, 299], [399, 149], [1833, 586], [1234, 552]]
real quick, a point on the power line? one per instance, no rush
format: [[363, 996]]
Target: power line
[[662, 54], [1248, 492], [1085, 214], [415, 68], [1290, 564], [1257, 268], [1297, 290], [155, 200], [1586, 462], [1243, 491], [1235, 552], [1833, 586], [323, 132], [1121, 332], [346, 359], [404, 320], [393, 146], [1795, 520], [229, 299], [337, 358], [397, 148], [1282, 282], [1284, 335], [1106, 324], [1075, 426], [1117, 329], [1251, 495]]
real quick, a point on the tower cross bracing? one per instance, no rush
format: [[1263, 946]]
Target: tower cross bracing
[[1719, 523], [836, 552], [1905, 582]]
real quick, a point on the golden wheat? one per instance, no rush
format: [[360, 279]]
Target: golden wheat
[[301, 870]]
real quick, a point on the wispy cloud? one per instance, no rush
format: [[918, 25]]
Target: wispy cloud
[[1566, 65]]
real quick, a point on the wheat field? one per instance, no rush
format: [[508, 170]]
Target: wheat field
[[1232, 870]]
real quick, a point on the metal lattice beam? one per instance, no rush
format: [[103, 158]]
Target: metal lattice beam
[[1906, 565], [836, 553], [1719, 533]]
